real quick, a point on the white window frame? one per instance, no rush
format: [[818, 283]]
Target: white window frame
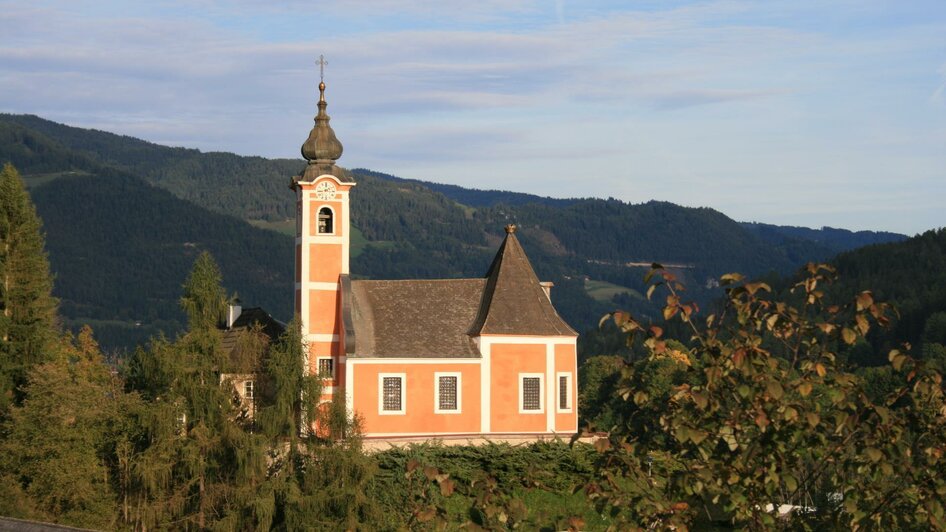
[[541, 377], [568, 397], [317, 371], [331, 209], [381, 410], [252, 389], [459, 376]]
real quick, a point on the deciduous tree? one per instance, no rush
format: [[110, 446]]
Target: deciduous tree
[[768, 419]]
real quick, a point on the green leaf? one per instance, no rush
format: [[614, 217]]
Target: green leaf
[[697, 436], [873, 454], [790, 483], [774, 389]]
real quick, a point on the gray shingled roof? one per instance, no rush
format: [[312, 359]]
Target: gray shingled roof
[[514, 302], [415, 318], [248, 319], [439, 318]]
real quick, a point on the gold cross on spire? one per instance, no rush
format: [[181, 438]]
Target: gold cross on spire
[[321, 62]]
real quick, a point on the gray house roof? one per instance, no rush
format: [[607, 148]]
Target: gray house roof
[[440, 318], [425, 318], [514, 303]]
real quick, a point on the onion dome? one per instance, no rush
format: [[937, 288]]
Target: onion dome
[[322, 148]]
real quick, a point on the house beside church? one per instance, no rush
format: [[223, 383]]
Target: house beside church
[[434, 358]]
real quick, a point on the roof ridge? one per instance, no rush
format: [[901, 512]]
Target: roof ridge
[[415, 280]]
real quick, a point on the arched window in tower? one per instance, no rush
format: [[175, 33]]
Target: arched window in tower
[[325, 221]]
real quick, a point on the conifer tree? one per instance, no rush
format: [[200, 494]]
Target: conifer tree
[[27, 308], [196, 466], [321, 478], [58, 456]]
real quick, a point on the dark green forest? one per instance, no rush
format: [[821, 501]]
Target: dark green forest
[[144, 211]]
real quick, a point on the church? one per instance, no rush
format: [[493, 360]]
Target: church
[[449, 359]]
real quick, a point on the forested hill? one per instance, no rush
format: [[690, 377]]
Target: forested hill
[[837, 240], [912, 275], [473, 197], [121, 248]]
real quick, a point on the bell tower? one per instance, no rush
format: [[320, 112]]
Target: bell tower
[[322, 249]]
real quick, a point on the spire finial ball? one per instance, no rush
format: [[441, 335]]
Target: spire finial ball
[[511, 228]]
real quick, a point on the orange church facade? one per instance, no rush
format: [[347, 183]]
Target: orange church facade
[[422, 359]]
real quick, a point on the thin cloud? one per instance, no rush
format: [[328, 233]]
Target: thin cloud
[[690, 98], [656, 102]]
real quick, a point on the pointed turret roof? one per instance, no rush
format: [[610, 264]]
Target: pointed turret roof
[[514, 302]]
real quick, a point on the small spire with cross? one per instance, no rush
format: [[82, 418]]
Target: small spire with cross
[[321, 62]]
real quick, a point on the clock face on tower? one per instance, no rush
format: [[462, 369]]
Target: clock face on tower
[[325, 191]]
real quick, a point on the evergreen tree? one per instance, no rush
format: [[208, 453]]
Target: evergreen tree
[[28, 317], [58, 456], [320, 479], [196, 465]]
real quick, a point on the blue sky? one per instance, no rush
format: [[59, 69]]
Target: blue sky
[[798, 112]]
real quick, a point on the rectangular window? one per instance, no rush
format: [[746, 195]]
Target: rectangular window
[[530, 393], [391, 393], [248, 390], [564, 392], [326, 368], [447, 393]]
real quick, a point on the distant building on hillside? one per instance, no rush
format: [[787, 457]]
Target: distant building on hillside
[[448, 359]]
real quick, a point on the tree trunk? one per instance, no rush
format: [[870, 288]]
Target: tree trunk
[[200, 513]]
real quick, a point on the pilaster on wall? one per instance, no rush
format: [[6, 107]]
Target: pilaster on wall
[[493, 369]]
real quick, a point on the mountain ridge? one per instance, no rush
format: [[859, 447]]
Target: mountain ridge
[[405, 228]]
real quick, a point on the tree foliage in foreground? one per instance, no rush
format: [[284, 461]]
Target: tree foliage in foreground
[[27, 308], [765, 415], [58, 456], [194, 462]]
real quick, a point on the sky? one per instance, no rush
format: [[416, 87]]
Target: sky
[[799, 112]]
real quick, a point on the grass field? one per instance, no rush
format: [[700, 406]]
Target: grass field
[[286, 227], [604, 291], [35, 180]]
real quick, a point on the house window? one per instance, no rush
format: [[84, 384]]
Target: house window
[[325, 221], [564, 392], [248, 390], [326, 368], [391, 393], [530, 393], [447, 393]]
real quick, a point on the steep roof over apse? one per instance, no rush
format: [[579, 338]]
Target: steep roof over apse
[[413, 318], [236, 339], [322, 148], [514, 302]]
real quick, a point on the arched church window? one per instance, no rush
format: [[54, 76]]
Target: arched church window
[[325, 221]]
